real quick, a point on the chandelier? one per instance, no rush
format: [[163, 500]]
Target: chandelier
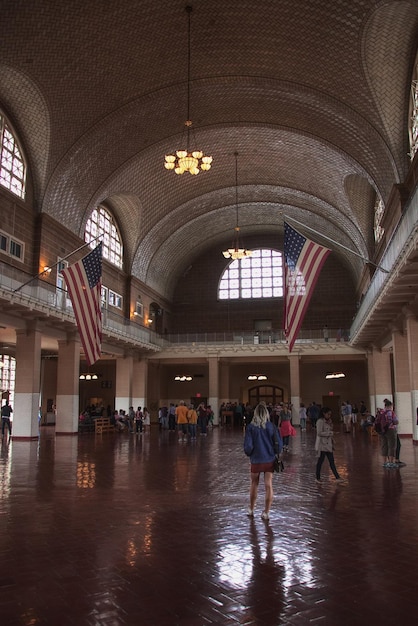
[[188, 160], [236, 251]]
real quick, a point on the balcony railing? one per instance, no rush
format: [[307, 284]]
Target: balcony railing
[[42, 296]]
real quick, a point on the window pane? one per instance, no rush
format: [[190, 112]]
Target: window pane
[[257, 276], [101, 223]]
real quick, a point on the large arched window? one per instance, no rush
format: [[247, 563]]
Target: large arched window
[[413, 117], [102, 223], [12, 166], [257, 276]]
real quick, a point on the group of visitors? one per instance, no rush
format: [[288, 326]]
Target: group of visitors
[[264, 441], [190, 420]]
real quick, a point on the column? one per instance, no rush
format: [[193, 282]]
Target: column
[[139, 383], [371, 405], [123, 391], [28, 379], [213, 398], [67, 400], [412, 338], [294, 387], [402, 399], [382, 376]]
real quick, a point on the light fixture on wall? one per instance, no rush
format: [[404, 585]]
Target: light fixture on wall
[[332, 375], [236, 251], [188, 160], [257, 377], [183, 378]]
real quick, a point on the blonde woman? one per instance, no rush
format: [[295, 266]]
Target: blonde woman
[[262, 442]]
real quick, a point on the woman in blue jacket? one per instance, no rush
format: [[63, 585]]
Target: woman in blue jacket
[[262, 442]]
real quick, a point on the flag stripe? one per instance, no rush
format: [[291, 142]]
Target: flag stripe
[[83, 281], [303, 262]]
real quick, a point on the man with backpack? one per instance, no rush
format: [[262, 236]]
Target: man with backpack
[[386, 426]]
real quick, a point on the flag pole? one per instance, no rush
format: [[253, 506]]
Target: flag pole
[[55, 264], [379, 267]]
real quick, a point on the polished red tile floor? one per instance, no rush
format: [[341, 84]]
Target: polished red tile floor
[[119, 529]]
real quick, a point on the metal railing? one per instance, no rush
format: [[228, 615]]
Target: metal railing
[[42, 296]]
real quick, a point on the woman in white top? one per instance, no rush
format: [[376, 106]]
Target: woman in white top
[[146, 420]]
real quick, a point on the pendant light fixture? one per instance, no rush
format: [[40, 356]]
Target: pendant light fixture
[[236, 251]]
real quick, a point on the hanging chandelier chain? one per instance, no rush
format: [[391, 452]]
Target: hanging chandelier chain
[[236, 252], [189, 10], [189, 160]]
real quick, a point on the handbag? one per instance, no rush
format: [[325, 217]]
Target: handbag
[[278, 465]]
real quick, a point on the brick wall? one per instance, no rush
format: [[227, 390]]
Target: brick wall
[[196, 308]]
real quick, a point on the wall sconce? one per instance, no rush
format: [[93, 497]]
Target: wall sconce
[[257, 377], [46, 270], [183, 379]]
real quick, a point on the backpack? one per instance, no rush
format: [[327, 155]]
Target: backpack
[[381, 423]]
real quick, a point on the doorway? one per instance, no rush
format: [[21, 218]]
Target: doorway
[[269, 394], [334, 403]]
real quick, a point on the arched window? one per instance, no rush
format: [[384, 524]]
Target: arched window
[[257, 276], [102, 223], [379, 210], [12, 166], [413, 118]]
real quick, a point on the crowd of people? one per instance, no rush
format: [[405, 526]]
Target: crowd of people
[[190, 421], [267, 436]]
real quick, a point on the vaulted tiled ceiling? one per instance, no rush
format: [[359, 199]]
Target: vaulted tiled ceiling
[[312, 95]]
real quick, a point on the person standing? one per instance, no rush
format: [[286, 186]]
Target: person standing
[[192, 420], [172, 417], [262, 441], [139, 420], [6, 411], [202, 419], [313, 413], [147, 421], [324, 444], [181, 418], [302, 416], [346, 413], [285, 425], [388, 422]]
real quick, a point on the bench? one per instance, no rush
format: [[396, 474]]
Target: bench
[[103, 425]]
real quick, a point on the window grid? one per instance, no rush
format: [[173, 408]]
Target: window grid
[[12, 246], [8, 376], [101, 222], [378, 216], [257, 276], [413, 131], [12, 166]]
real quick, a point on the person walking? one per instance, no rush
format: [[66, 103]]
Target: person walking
[[262, 441], [324, 444], [6, 411]]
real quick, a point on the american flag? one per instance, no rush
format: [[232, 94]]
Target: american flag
[[303, 261], [84, 284]]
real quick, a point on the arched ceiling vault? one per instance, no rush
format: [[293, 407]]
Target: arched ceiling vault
[[313, 96]]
